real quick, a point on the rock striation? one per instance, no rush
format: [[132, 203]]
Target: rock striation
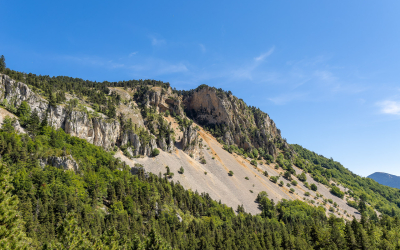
[[246, 127], [100, 131]]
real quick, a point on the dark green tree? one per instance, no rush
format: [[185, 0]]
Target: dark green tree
[[12, 235], [2, 63]]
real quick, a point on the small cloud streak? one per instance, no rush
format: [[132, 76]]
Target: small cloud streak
[[264, 55], [389, 107], [157, 42], [285, 98], [203, 48], [133, 53]]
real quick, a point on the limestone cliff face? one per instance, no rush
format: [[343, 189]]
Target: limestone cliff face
[[164, 100], [97, 130], [190, 139], [243, 126]]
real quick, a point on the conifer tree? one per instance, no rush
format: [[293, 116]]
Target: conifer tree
[[12, 235]]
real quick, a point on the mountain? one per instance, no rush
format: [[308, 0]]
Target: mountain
[[386, 179], [138, 164]]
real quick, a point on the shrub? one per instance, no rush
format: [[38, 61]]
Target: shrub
[[281, 183], [336, 191], [230, 173], [288, 184], [203, 161], [314, 187], [306, 185], [291, 190], [276, 166], [251, 191], [155, 152], [254, 163], [294, 183], [330, 201], [166, 114], [266, 173], [205, 173], [273, 179], [213, 158], [247, 178], [307, 193], [331, 209], [302, 177], [181, 170], [287, 175]]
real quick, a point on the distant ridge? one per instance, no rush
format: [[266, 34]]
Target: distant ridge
[[386, 179]]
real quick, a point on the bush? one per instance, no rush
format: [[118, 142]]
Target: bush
[[314, 187], [336, 191], [273, 179], [203, 161], [230, 173], [294, 183], [181, 170], [307, 193], [331, 209], [266, 173], [287, 175], [306, 185], [205, 173], [254, 163], [155, 152], [247, 178], [288, 184], [166, 114], [291, 190], [281, 184], [302, 177]]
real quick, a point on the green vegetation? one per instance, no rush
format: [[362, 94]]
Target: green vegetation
[[314, 187], [104, 206], [230, 173], [181, 170], [382, 198], [294, 183], [155, 152]]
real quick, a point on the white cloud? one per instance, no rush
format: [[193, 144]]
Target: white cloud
[[389, 107], [133, 53], [285, 98], [265, 55], [157, 42], [203, 48]]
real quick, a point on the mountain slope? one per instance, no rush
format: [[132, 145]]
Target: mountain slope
[[386, 179]]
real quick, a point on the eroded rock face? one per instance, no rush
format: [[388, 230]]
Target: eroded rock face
[[17, 92], [99, 131], [209, 106], [190, 140], [165, 100], [64, 162]]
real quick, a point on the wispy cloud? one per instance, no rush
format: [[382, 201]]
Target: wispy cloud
[[286, 98], [389, 107], [247, 70], [157, 42], [133, 53], [202, 48], [264, 55]]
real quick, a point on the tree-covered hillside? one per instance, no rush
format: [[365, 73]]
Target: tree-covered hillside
[[100, 203], [104, 206]]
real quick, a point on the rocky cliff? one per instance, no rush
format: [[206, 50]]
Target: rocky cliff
[[232, 120]]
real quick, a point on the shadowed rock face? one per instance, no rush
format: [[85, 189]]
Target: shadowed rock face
[[386, 179], [244, 126], [64, 162]]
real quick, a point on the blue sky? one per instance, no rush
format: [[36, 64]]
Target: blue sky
[[326, 72]]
